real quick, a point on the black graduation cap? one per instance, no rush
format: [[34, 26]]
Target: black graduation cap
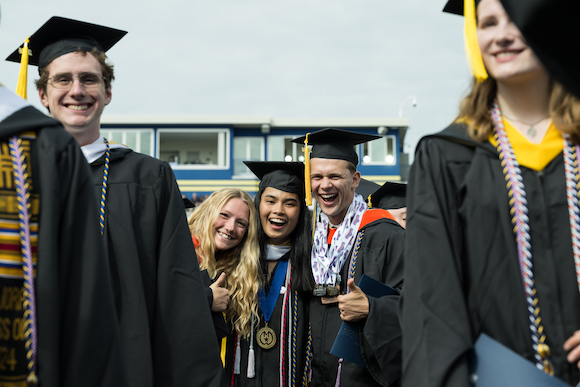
[[330, 143], [335, 143], [60, 36], [390, 196], [551, 28], [456, 6], [366, 188], [285, 176], [188, 203]]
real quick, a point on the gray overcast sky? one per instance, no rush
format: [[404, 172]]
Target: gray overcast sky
[[298, 58]]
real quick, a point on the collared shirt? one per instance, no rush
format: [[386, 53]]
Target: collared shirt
[[98, 148]]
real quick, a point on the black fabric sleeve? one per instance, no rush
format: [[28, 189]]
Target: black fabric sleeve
[[435, 318], [185, 351], [381, 333], [78, 331], [208, 292]]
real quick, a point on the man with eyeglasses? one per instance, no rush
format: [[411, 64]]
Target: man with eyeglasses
[[167, 332], [48, 220]]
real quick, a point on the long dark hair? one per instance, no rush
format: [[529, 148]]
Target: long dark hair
[[301, 242]]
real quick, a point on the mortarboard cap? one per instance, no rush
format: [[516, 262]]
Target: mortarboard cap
[[456, 6], [550, 26], [491, 364], [188, 203], [366, 188], [60, 36], [57, 37], [285, 176], [330, 143], [468, 8], [335, 143], [390, 196]]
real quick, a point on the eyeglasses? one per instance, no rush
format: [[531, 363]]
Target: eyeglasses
[[65, 81]]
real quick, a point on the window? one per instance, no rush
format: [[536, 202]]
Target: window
[[280, 148], [194, 148], [247, 149], [139, 140], [380, 151]]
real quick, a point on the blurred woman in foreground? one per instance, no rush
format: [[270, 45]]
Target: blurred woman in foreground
[[493, 217]]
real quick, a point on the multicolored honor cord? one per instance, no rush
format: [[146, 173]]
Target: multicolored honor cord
[[29, 302], [520, 221]]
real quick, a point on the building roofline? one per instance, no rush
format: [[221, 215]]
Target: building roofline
[[255, 121]]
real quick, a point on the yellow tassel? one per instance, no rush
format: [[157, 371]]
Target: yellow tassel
[[223, 351], [471, 46], [23, 76], [307, 172], [369, 201]]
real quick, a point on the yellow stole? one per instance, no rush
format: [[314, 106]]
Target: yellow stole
[[528, 154]]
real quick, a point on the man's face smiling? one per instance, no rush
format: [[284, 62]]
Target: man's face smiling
[[333, 186], [78, 108]]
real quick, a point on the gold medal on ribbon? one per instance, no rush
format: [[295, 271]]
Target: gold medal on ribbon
[[266, 337]]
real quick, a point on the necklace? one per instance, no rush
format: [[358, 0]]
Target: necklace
[[531, 130]]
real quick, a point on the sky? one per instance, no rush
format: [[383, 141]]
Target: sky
[[284, 59]]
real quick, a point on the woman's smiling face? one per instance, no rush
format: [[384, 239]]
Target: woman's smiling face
[[505, 52], [279, 214], [231, 224]]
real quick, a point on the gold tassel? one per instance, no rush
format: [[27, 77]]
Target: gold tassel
[[23, 76], [471, 46], [223, 351], [369, 201], [307, 188]]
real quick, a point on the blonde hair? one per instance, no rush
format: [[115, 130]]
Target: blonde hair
[[474, 109], [241, 263]]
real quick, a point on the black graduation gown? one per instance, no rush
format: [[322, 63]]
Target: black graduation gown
[[267, 361], [78, 332], [381, 257], [462, 276], [167, 332], [223, 329]]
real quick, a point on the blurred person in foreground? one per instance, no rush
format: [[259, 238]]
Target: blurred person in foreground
[[59, 323], [164, 317], [493, 217]]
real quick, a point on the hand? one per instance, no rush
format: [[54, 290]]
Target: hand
[[221, 295], [353, 306], [572, 346]]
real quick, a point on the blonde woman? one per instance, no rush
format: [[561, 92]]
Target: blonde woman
[[224, 230], [493, 219]]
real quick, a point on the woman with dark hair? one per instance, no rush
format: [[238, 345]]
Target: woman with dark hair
[[278, 342], [493, 218]]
